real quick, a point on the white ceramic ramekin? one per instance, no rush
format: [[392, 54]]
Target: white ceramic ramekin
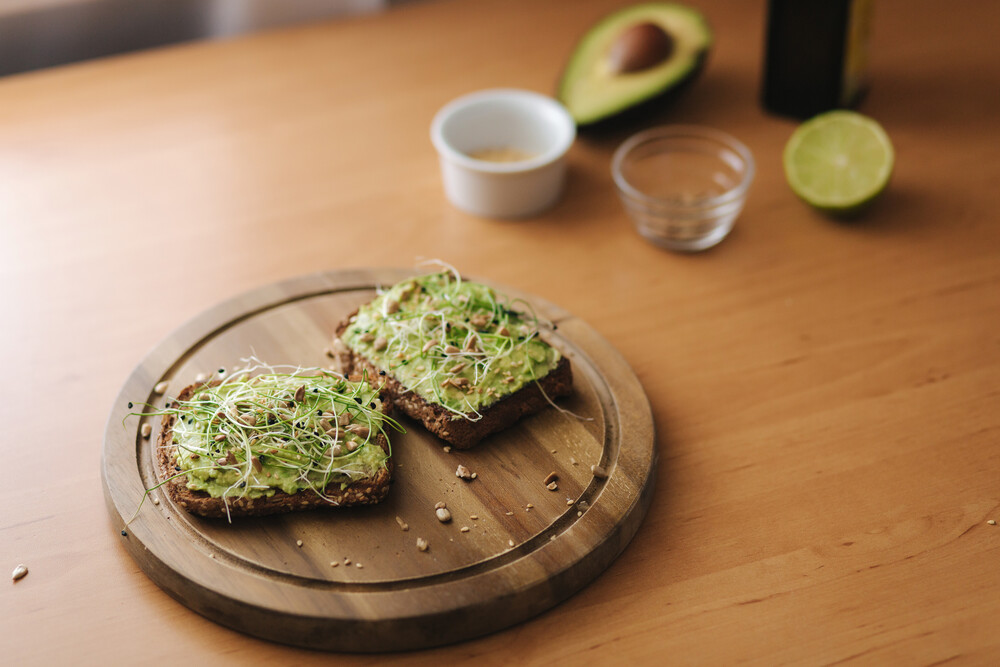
[[503, 119]]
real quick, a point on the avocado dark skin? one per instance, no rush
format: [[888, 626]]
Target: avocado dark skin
[[633, 61]]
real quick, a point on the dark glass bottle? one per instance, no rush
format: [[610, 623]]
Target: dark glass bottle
[[816, 55]]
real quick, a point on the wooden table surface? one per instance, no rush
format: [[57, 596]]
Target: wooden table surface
[[825, 394]]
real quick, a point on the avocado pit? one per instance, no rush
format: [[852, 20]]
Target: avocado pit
[[640, 47]]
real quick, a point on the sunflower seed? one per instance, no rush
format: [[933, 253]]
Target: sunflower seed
[[359, 430], [20, 572]]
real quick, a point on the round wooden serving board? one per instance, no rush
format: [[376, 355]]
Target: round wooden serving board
[[526, 548]]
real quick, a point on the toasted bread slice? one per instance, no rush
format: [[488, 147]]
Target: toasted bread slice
[[464, 433], [360, 489], [479, 327]]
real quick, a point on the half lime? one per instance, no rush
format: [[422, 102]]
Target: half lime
[[839, 161]]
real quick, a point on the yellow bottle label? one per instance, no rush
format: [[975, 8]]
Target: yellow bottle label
[[859, 23]]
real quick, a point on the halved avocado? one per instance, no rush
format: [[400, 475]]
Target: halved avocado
[[631, 57]]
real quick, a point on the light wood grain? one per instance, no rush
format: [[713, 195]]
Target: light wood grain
[[512, 549], [825, 394]]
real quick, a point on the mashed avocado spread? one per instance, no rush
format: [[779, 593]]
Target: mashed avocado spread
[[297, 431], [450, 341]]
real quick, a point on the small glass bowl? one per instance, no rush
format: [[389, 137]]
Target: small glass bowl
[[682, 185]]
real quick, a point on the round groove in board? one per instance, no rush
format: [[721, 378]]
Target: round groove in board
[[252, 575]]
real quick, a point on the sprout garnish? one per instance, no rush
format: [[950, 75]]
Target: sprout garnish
[[263, 428], [456, 343]]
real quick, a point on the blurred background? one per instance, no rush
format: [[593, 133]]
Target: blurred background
[[43, 33]]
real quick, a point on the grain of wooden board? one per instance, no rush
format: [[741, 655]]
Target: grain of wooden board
[[353, 579]]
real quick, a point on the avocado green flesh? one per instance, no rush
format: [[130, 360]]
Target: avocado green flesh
[[592, 91], [454, 343], [294, 454]]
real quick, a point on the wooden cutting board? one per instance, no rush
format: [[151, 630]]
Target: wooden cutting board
[[358, 581]]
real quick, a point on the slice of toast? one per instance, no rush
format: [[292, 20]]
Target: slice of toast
[[501, 409], [365, 490]]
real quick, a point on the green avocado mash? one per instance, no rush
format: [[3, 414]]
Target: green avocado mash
[[248, 437], [452, 342]]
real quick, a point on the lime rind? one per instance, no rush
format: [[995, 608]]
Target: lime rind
[[839, 161]]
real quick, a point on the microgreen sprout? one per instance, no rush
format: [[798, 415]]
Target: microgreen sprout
[[456, 343], [263, 428]]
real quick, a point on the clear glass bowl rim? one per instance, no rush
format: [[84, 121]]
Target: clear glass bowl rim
[[683, 131]]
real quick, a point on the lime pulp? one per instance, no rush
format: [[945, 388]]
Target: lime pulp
[[839, 161]]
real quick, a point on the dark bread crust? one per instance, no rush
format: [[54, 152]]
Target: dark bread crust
[[460, 433], [362, 492]]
